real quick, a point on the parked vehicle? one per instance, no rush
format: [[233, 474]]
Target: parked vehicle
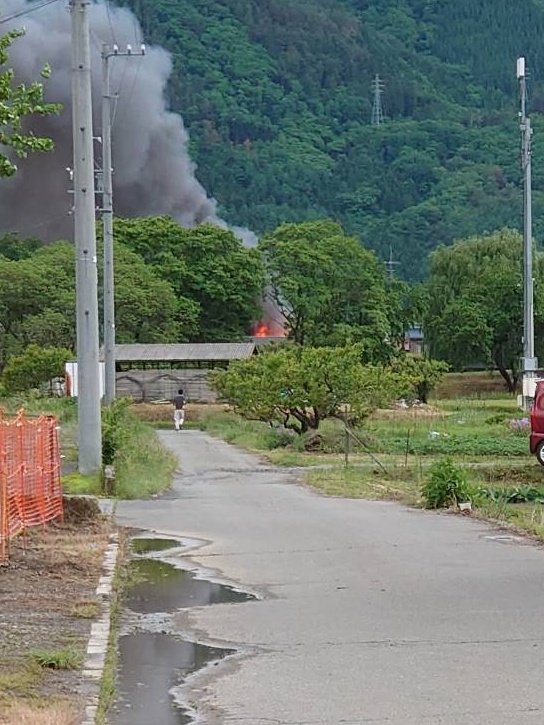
[[537, 423]]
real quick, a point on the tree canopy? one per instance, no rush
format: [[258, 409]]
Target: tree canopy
[[475, 294], [17, 102], [299, 387], [37, 301], [329, 288], [206, 266]]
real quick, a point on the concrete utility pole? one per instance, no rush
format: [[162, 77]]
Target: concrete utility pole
[[529, 361], [107, 216], [89, 432]]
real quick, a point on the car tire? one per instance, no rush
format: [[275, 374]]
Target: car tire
[[539, 453]]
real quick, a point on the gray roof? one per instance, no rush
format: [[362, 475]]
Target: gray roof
[[184, 352]]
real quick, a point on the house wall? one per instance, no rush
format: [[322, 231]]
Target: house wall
[[147, 385]]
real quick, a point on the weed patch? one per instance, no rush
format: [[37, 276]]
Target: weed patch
[[60, 713], [85, 610], [445, 486], [58, 659]]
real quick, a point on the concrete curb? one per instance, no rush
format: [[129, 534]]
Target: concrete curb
[[97, 648]]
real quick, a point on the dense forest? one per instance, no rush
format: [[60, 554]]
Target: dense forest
[[277, 97]]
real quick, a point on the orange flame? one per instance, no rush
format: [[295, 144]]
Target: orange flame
[[268, 328], [262, 329]]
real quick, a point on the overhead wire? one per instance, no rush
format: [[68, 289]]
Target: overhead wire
[[110, 22], [131, 92], [26, 11]]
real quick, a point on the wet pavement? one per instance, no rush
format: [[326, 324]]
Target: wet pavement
[[165, 588], [152, 664], [368, 611]]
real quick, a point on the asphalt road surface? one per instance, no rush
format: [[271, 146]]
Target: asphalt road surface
[[370, 612]]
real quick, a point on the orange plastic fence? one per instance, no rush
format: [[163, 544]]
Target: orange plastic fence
[[30, 489]]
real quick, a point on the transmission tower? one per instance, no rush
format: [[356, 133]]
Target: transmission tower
[[391, 264], [377, 106]]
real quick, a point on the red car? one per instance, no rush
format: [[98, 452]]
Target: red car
[[537, 423]]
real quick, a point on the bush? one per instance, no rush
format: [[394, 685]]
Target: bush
[[35, 367], [114, 429], [446, 485], [142, 465]]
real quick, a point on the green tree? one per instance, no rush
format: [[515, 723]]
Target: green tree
[[34, 368], [330, 289], [300, 387], [37, 301], [206, 265], [475, 313], [147, 308], [17, 102], [418, 375]]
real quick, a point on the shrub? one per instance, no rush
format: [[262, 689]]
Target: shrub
[[446, 485], [35, 367], [114, 429]]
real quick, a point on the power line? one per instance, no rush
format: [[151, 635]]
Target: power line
[[22, 13], [130, 93], [112, 29]]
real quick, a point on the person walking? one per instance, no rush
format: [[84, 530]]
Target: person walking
[[180, 401]]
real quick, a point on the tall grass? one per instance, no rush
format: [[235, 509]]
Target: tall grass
[[143, 465]]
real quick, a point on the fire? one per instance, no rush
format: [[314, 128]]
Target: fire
[[262, 329], [268, 328]]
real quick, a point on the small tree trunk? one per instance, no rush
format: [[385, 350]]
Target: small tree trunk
[[302, 419], [510, 381]]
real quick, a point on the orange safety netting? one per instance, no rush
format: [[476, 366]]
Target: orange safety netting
[[30, 489]]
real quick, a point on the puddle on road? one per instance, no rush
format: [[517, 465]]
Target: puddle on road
[[162, 587], [152, 663], [146, 546]]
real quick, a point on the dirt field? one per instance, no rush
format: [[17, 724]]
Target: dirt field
[[469, 385], [163, 412], [47, 605]]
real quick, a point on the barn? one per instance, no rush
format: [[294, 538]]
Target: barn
[[155, 372]]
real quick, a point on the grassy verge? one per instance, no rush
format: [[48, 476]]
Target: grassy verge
[[367, 482], [467, 429], [143, 465]]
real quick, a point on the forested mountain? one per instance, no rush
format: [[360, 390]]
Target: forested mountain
[[277, 97]]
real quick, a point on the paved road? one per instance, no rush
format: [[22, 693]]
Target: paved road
[[373, 613]]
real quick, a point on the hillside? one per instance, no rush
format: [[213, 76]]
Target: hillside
[[277, 97]]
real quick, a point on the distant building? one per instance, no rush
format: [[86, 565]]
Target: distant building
[[156, 372], [414, 340]]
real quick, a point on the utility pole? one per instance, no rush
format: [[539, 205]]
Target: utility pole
[[377, 106], [529, 361], [89, 424], [107, 217]]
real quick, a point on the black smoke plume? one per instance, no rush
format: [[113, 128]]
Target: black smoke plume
[[153, 171]]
